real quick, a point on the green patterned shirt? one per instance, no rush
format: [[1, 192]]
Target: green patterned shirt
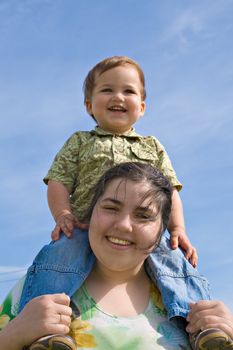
[[86, 155]]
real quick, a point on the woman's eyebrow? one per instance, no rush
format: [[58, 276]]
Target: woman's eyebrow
[[112, 200], [148, 209], [141, 207], [145, 209]]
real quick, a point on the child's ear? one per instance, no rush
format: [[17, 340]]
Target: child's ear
[[143, 108], [88, 106]]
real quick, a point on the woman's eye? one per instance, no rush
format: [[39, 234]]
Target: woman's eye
[[146, 216], [110, 208]]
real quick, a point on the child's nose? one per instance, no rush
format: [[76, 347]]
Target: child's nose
[[118, 96]]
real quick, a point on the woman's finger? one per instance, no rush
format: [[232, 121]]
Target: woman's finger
[[58, 328], [64, 319], [60, 298], [63, 310]]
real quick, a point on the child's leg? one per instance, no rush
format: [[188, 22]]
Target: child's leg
[[61, 266], [178, 281]]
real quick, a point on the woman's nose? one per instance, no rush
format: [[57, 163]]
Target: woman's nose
[[124, 223]]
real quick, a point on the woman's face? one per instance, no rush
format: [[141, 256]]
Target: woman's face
[[123, 228]]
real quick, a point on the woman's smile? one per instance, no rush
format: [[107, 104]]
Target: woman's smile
[[119, 241]]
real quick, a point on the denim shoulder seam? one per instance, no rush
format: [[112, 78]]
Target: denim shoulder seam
[[55, 267], [180, 275]]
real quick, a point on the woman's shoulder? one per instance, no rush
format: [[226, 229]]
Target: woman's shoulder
[[10, 307], [156, 299]]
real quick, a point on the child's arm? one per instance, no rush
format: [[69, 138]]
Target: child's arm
[[176, 228], [59, 204]]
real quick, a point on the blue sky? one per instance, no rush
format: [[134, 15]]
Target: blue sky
[[185, 49]]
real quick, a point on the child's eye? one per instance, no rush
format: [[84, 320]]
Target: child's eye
[[130, 91], [106, 90]]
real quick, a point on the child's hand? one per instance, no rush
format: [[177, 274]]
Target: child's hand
[[66, 222], [180, 239]]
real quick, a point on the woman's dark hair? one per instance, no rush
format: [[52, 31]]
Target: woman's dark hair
[[160, 188]]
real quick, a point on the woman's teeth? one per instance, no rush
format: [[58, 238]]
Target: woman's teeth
[[119, 241]]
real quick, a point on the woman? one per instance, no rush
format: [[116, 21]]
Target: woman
[[118, 307]]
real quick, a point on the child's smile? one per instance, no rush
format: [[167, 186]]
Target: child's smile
[[116, 102]]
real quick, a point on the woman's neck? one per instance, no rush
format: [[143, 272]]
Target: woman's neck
[[119, 293], [110, 276]]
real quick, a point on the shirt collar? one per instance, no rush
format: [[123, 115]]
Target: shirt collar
[[102, 132]]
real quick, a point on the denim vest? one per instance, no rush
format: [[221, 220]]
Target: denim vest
[[62, 267]]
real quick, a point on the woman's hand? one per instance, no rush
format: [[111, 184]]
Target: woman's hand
[[210, 314], [44, 315]]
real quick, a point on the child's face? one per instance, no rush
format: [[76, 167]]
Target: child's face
[[116, 102]]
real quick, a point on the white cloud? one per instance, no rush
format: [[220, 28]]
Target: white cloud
[[9, 273], [186, 23], [195, 22]]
